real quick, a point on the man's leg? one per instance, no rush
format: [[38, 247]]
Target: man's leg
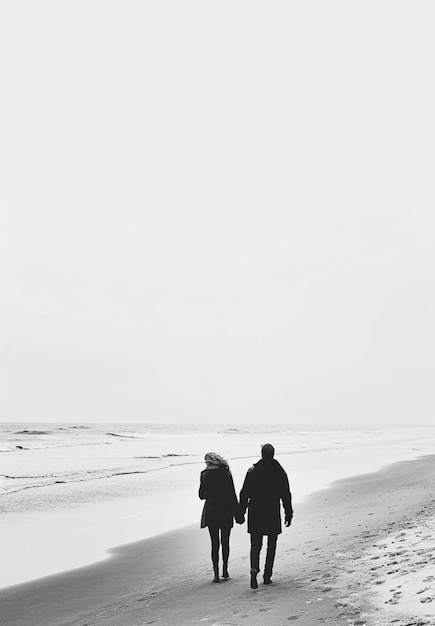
[[256, 544], [270, 557]]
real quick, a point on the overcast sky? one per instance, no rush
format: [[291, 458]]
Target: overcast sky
[[217, 211]]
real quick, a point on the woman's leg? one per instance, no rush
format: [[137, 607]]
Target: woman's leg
[[225, 536], [215, 544]]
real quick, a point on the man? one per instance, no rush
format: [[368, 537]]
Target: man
[[266, 485]]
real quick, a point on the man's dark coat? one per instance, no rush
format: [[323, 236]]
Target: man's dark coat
[[221, 505], [266, 485]]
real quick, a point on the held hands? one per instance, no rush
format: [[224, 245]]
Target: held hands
[[239, 515], [288, 520]]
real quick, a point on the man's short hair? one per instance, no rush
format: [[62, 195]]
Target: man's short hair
[[267, 451]]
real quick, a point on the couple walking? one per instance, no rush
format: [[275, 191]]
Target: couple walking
[[265, 486]]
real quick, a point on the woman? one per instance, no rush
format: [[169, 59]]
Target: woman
[[220, 508]]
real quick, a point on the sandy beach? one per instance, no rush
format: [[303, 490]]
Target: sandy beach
[[217, 231], [360, 552]]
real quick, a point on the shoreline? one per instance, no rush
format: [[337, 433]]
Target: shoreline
[[166, 580], [85, 534]]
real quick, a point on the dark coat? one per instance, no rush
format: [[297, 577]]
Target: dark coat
[[266, 485], [221, 504]]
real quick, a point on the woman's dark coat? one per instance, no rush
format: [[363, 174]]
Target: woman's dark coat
[[221, 504], [266, 485]]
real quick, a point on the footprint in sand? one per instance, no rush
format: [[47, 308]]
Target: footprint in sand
[[313, 600], [425, 600], [293, 618]]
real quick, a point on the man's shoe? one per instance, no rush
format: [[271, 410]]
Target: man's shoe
[[267, 580], [254, 584]]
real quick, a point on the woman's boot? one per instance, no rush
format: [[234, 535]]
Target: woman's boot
[[216, 572]]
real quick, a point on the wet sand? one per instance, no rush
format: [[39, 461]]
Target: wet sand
[[358, 553]]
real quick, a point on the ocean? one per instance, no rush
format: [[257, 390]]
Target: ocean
[[69, 493]]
